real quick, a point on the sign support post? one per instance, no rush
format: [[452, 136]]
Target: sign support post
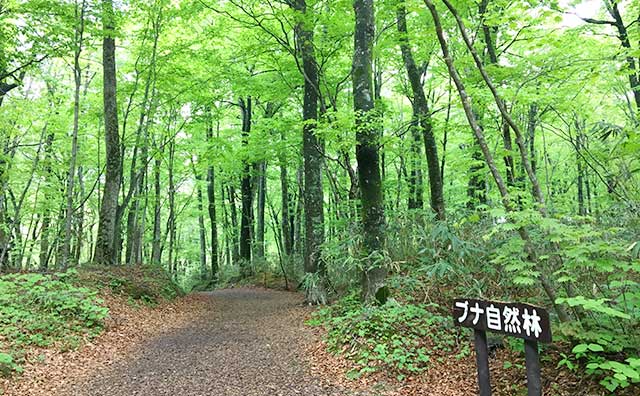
[[532, 361], [482, 361]]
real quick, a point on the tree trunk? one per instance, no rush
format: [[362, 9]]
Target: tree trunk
[[46, 214], [226, 227], [260, 209], [104, 253], [234, 225], [287, 237], [77, 73], [422, 114], [312, 152], [203, 232], [156, 249], [211, 208], [79, 219], [171, 222], [367, 155], [246, 220]]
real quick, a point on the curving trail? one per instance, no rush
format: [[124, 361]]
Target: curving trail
[[249, 343]]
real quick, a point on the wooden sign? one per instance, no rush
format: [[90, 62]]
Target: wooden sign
[[524, 321], [512, 319]]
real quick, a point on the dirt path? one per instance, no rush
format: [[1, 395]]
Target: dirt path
[[250, 342]]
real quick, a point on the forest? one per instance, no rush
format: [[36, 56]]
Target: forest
[[381, 157]]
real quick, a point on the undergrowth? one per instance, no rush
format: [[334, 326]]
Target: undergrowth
[[42, 310], [398, 338], [63, 310], [595, 269]]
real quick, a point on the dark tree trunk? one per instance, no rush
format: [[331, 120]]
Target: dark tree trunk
[[234, 224], [203, 232], [297, 229], [422, 114], [246, 220], [582, 211], [312, 152], [508, 158], [171, 221], [415, 179], [261, 179], [367, 155], [226, 227], [156, 249], [46, 215], [104, 253], [287, 237], [77, 74], [531, 134], [79, 219], [211, 208]]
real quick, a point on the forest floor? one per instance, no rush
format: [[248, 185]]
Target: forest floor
[[243, 342], [231, 342]]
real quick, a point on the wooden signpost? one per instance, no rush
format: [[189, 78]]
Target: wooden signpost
[[512, 319]]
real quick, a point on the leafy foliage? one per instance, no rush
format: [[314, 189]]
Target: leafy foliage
[[42, 310], [394, 337]]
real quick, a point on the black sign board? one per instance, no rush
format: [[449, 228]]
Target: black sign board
[[512, 319]]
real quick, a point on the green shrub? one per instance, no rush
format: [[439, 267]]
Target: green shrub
[[394, 337], [145, 284], [41, 310]]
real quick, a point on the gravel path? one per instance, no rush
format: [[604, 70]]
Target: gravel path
[[250, 342]]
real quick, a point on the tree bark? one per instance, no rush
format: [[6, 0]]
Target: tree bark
[[312, 152], [211, 209], [422, 115], [77, 74], [203, 232], [261, 179], [156, 249], [287, 223], [104, 253], [171, 221], [367, 155], [246, 220]]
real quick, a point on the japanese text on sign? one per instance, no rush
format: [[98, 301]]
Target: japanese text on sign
[[513, 319]]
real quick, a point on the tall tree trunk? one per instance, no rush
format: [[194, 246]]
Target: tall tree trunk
[[234, 224], [104, 253], [226, 227], [79, 219], [211, 207], [204, 270], [46, 212], [246, 220], [582, 211], [261, 179], [312, 152], [287, 237], [508, 158], [77, 73], [367, 155], [171, 221], [156, 249], [422, 114], [531, 134]]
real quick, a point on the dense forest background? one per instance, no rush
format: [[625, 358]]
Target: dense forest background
[[484, 148]]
